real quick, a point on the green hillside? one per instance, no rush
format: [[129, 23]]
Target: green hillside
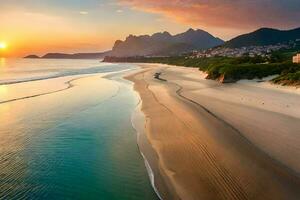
[[264, 36]]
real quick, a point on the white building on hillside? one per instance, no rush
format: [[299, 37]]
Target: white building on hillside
[[296, 59]]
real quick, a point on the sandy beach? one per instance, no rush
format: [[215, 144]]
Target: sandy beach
[[219, 141]]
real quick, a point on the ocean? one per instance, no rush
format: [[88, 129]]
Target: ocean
[[66, 132]]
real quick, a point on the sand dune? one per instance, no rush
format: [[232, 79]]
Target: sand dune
[[214, 141]]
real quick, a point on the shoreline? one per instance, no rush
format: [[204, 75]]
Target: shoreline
[[138, 123], [182, 184], [149, 155]]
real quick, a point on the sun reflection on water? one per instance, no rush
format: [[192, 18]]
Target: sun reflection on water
[[3, 90], [2, 62]]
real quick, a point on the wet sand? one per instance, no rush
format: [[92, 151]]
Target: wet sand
[[214, 141]]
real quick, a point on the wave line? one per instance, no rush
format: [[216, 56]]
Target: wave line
[[69, 83]]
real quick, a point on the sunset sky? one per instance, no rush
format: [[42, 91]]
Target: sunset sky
[[40, 26]]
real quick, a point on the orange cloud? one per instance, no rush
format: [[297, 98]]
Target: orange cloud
[[220, 15]]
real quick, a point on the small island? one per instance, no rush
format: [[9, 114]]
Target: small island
[[32, 56], [97, 55]]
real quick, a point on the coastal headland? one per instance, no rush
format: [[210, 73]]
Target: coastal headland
[[220, 141]]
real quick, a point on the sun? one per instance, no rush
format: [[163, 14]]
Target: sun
[[3, 45]]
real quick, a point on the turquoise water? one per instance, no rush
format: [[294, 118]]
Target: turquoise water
[[77, 143]]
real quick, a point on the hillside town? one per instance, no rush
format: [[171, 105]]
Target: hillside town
[[238, 52]]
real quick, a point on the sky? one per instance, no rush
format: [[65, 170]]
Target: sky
[[41, 26]]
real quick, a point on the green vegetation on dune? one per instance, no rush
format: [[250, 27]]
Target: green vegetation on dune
[[232, 72], [288, 78], [227, 69]]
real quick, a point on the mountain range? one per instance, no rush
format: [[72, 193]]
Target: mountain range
[[164, 43], [264, 36]]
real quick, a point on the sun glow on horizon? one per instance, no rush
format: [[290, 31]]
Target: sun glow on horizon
[[3, 45], [3, 50]]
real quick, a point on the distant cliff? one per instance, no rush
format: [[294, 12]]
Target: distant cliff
[[72, 56], [164, 44], [264, 36]]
